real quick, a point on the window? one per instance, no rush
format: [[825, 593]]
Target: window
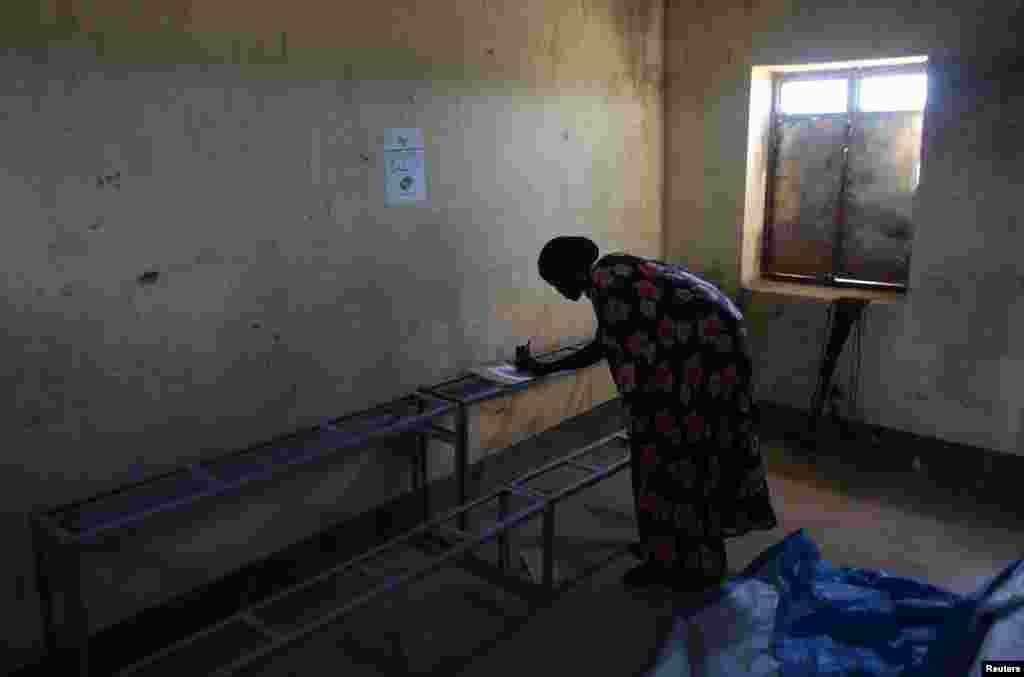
[[844, 164]]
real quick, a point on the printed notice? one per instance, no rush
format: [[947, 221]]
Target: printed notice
[[406, 179]]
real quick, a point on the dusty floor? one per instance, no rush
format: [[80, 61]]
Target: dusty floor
[[455, 624]]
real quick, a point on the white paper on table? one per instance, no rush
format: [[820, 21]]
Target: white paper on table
[[404, 166], [507, 374]]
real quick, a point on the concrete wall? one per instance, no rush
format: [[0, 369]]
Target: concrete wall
[[949, 361], [233, 148]]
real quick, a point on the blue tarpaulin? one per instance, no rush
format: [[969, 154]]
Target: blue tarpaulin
[[793, 614]]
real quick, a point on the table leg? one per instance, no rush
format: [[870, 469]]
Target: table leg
[[504, 554], [73, 630], [549, 546], [42, 544], [462, 459], [422, 469]]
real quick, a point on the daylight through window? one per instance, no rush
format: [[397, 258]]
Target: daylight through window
[[844, 168]]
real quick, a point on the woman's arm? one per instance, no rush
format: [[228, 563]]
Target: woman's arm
[[592, 353]]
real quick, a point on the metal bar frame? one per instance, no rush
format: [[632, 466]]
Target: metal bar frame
[[59, 581], [354, 563], [584, 466], [565, 460], [421, 469], [217, 487], [443, 434], [461, 434], [460, 553], [58, 549], [293, 436], [462, 458], [504, 547]]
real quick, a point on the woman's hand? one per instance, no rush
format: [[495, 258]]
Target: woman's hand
[[527, 363]]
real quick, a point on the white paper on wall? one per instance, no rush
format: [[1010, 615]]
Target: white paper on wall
[[403, 139], [404, 163]]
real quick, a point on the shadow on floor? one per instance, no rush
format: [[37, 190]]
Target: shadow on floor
[[860, 502]]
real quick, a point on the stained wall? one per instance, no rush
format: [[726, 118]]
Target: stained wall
[[196, 254]]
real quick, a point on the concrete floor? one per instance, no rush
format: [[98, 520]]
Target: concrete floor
[[454, 624], [861, 513]]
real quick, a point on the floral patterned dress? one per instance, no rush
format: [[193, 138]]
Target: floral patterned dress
[[677, 349]]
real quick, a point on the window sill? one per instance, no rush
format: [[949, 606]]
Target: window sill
[[815, 292]]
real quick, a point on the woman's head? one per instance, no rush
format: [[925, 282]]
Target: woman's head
[[565, 263]]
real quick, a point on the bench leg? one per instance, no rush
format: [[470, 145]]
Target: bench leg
[[462, 460], [69, 635], [42, 546], [421, 472]]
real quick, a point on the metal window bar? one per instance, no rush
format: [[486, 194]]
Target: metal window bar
[[458, 553], [838, 282], [854, 72], [854, 75]]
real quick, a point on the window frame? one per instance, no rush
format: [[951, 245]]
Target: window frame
[[853, 75]]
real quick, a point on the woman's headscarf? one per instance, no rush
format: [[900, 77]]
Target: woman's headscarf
[[564, 258]]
